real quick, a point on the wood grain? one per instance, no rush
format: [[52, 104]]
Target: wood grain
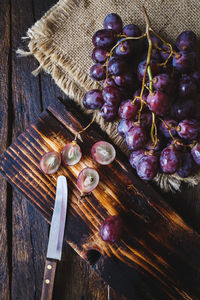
[[152, 257]]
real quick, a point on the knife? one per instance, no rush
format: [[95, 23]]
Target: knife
[[54, 250]]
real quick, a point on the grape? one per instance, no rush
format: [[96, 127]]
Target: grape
[[135, 137], [187, 40], [104, 38], [93, 99], [124, 126], [196, 153], [147, 167], [99, 55], [187, 87], [50, 162], [172, 124], [126, 80], [155, 40], [124, 49], [87, 180], [184, 61], [112, 96], [71, 154], [169, 160], [113, 22], [183, 109], [196, 77], [144, 97], [165, 52], [163, 83], [188, 129], [132, 30], [150, 145], [141, 69], [127, 110], [186, 165], [103, 152], [146, 119], [159, 103], [109, 82], [155, 55], [117, 66], [108, 112], [178, 144], [111, 229], [135, 157], [98, 72]]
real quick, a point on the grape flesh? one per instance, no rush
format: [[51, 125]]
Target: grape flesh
[[196, 153], [135, 137], [98, 72], [127, 110], [188, 129], [159, 103], [171, 125], [108, 112], [113, 22], [132, 30], [124, 126], [111, 229], [187, 40], [50, 162], [104, 38], [135, 157], [103, 152], [186, 165], [112, 96], [88, 180], [147, 167], [169, 160], [99, 55], [71, 154], [93, 99]]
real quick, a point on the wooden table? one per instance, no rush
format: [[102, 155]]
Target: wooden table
[[23, 231]]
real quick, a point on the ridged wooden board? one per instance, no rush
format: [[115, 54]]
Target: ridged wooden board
[[158, 254]]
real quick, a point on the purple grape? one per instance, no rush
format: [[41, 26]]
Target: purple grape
[[108, 112], [187, 87], [127, 110], [163, 83], [183, 109], [147, 167], [188, 129], [99, 55], [164, 53], [113, 22], [111, 229], [144, 97], [155, 55], [104, 38], [155, 40], [146, 119], [150, 145], [184, 61], [196, 153], [93, 99], [196, 77], [135, 157], [125, 80], [170, 160], [141, 69], [159, 103], [112, 96], [132, 30], [117, 66], [124, 126], [135, 137], [124, 49], [98, 72], [109, 82], [187, 40], [186, 165], [172, 124]]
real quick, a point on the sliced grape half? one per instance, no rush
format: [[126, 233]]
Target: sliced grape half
[[50, 162], [103, 152], [71, 154], [88, 180]]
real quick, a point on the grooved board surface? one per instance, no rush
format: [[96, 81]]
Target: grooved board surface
[[158, 255]]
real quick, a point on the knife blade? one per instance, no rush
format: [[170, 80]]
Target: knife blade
[[55, 243]]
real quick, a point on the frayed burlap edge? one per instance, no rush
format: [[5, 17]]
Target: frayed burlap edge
[[74, 82]]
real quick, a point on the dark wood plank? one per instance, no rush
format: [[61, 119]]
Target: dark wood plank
[[4, 103], [28, 250], [151, 260]]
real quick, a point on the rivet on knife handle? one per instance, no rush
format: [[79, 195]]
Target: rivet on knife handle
[[48, 281]]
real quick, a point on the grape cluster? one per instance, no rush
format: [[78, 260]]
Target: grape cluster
[[154, 90]]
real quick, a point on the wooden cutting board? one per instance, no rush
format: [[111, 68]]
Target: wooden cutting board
[[158, 256]]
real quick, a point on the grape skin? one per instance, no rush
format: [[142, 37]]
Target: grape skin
[[169, 160], [111, 229], [196, 153], [135, 137], [147, 167]]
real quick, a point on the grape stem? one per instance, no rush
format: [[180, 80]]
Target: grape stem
[[85, 128]]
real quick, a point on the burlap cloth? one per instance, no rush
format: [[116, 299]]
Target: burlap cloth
[[61, 42]]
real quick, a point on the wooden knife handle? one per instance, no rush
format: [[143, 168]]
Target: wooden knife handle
[[48, 280]]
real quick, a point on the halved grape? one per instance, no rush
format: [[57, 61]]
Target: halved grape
[[50, 162], [88, 180], [111, 229], [71, 154], [103, 152]]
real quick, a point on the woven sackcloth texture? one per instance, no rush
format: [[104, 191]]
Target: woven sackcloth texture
[[61, 42]]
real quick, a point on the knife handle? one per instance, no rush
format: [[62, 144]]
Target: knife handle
[[48, 280]]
